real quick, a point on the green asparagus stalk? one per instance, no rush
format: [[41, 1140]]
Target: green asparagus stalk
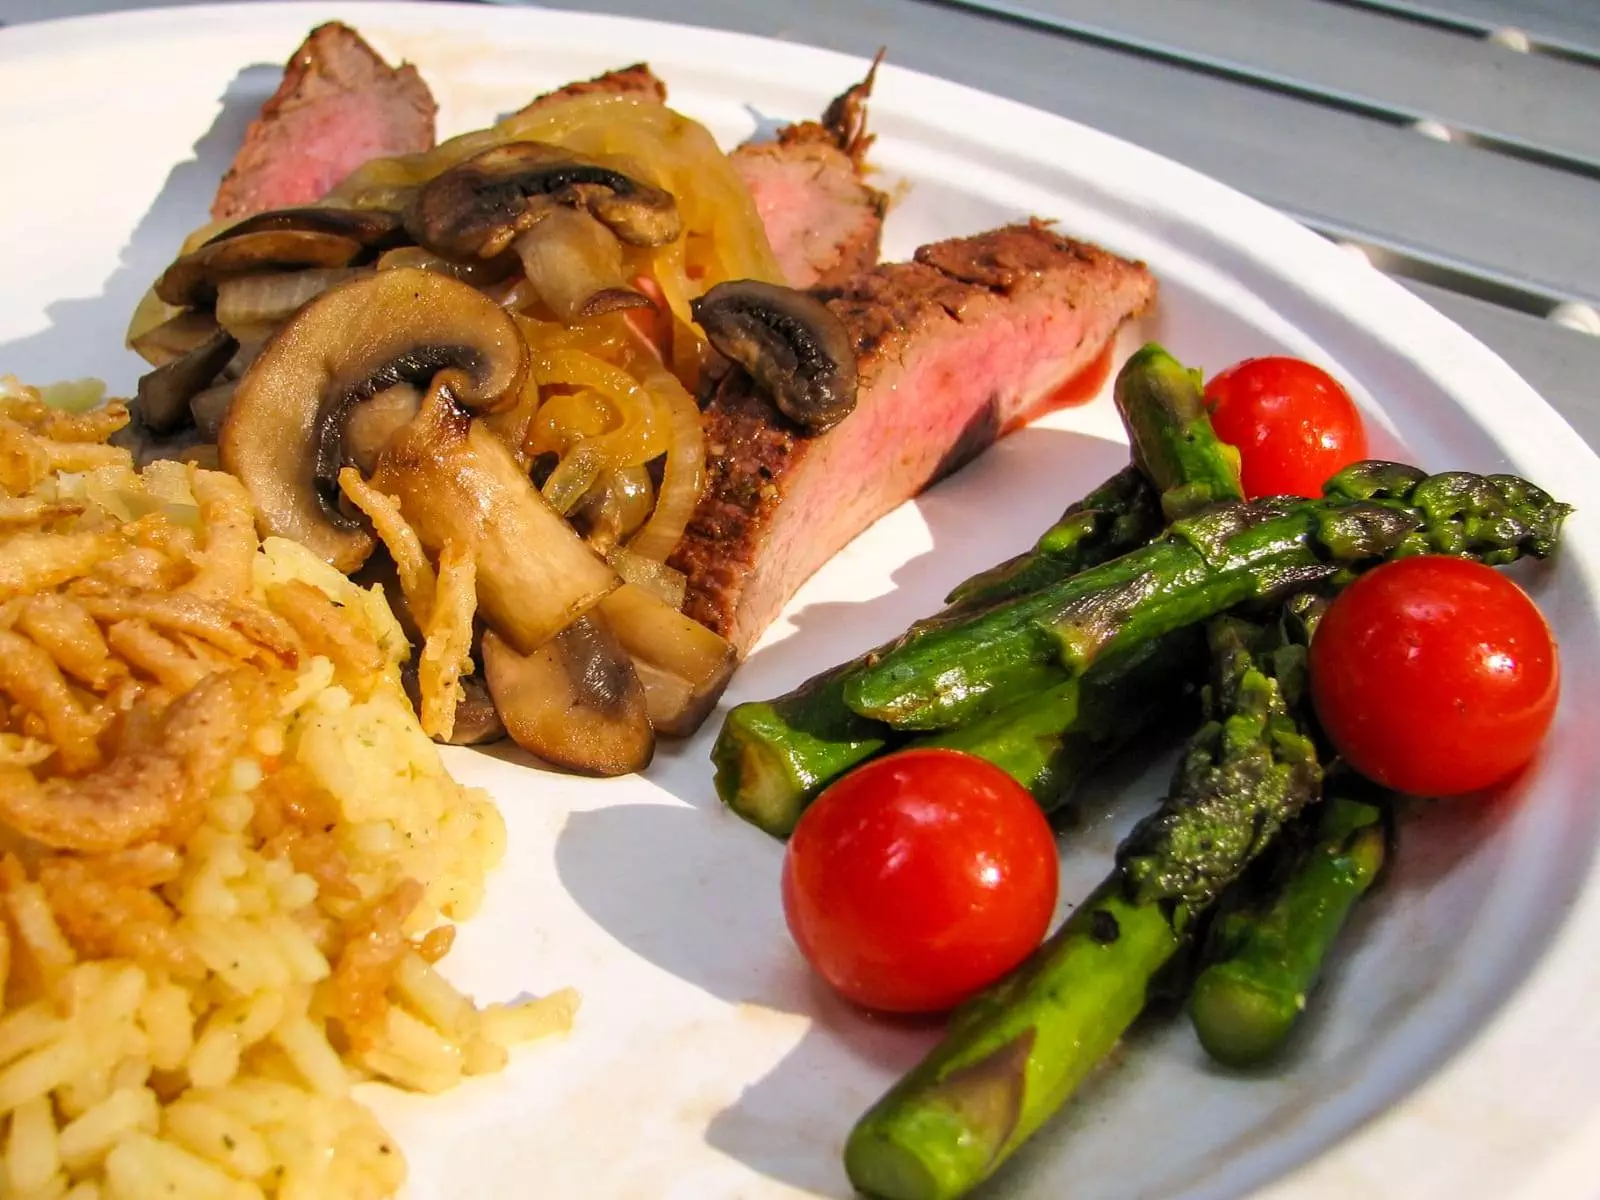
[[1052, 742], [1014, 1054], [773, 757], [1123, 512], [1203, 565], [1163, 408], [1266, 956]]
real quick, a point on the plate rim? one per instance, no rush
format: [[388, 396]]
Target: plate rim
[[1471, 374]]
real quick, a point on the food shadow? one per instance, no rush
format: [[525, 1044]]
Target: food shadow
[[695, 890], [85, 335]]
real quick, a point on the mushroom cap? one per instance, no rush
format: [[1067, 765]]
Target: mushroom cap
[[797, 351], [575, 701], [191, 281], [476, 208], [373, 228], [284, 435]]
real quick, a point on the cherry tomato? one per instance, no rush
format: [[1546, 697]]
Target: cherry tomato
[[1292, 422], [918, 879], [1434, 676]]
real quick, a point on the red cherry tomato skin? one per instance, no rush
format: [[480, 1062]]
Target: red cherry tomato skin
[[918, 879], [1435, 676], [1292, 422]]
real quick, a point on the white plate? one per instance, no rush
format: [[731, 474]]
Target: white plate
[[1456, 1049]]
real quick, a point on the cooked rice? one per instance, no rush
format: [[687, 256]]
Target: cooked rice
[[230, 854]]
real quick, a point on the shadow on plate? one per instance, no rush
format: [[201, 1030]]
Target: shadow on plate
[[85, 335]]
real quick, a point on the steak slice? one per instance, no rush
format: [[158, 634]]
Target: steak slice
[[339, 104], [824, 222], [969, 341], [637, 80]]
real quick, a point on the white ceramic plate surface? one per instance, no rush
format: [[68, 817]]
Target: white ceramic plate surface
[[1455, 1050]]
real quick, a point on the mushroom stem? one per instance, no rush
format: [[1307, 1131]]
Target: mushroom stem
[[456, 481]]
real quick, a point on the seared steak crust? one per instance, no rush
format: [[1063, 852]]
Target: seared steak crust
[[967, 342], [637, 80], [338, 105]]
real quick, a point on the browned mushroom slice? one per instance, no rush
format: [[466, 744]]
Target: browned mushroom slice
[[792, 345], [456, 481], [683, 666], [474, 210], [574, 264], [575, 702], [209, 408], [163, 398], [285, 435], [191, 281], [173, 339], [370, 227]]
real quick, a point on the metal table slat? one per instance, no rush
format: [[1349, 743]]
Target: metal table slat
[[1570, 25], [1521, 223], [1353, 56]]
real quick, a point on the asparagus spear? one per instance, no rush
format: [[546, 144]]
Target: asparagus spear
[[1051, 742], [1204, 564], [774, 757], [1266, 957], [1014, 1054], [1163, 408], [1123, 512]]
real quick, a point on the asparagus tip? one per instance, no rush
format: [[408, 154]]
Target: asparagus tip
[[1239, 1023]]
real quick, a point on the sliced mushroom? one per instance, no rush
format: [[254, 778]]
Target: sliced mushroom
[[683, 666], [174, 338], [285, 434], [792, 345], [575, 702], [456, 481], [474, 210], [210, 408], [369, 426], [574, 264], [185, 444], [164, 394], [370, 227], [191, 281]]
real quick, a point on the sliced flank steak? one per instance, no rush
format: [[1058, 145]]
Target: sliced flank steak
[[969, 341], [339, 104]]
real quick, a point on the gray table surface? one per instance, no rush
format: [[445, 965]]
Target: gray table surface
[[1490, 210]]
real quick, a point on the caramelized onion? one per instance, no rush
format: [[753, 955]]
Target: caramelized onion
[[666, 583], [249, 305], [573, 264], [684, 474]]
